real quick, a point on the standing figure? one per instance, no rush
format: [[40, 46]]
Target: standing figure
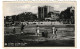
[[22, 27], [37, 31], [55, 32], [14, 31], [53, 29], [43, 35]]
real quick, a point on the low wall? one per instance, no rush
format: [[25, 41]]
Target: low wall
[[41, 23]]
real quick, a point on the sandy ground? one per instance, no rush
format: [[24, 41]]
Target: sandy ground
[[65, 37]]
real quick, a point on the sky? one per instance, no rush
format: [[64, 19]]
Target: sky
[[17, 8]]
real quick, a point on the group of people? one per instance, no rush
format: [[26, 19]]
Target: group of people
[[43, 33]]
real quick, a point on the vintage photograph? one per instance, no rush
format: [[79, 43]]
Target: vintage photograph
[[34, 24]]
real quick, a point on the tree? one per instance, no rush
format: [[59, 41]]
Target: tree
[[67, 14]]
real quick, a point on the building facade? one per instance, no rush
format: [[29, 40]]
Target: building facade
[[43, 12]]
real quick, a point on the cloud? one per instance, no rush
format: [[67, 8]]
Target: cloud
[[12, 9], [16, 8], [57, 6]]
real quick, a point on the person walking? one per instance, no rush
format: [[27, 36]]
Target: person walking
[[55, 33], [22, 27]]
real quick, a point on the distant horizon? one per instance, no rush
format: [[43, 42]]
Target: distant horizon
[[19, 13]]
